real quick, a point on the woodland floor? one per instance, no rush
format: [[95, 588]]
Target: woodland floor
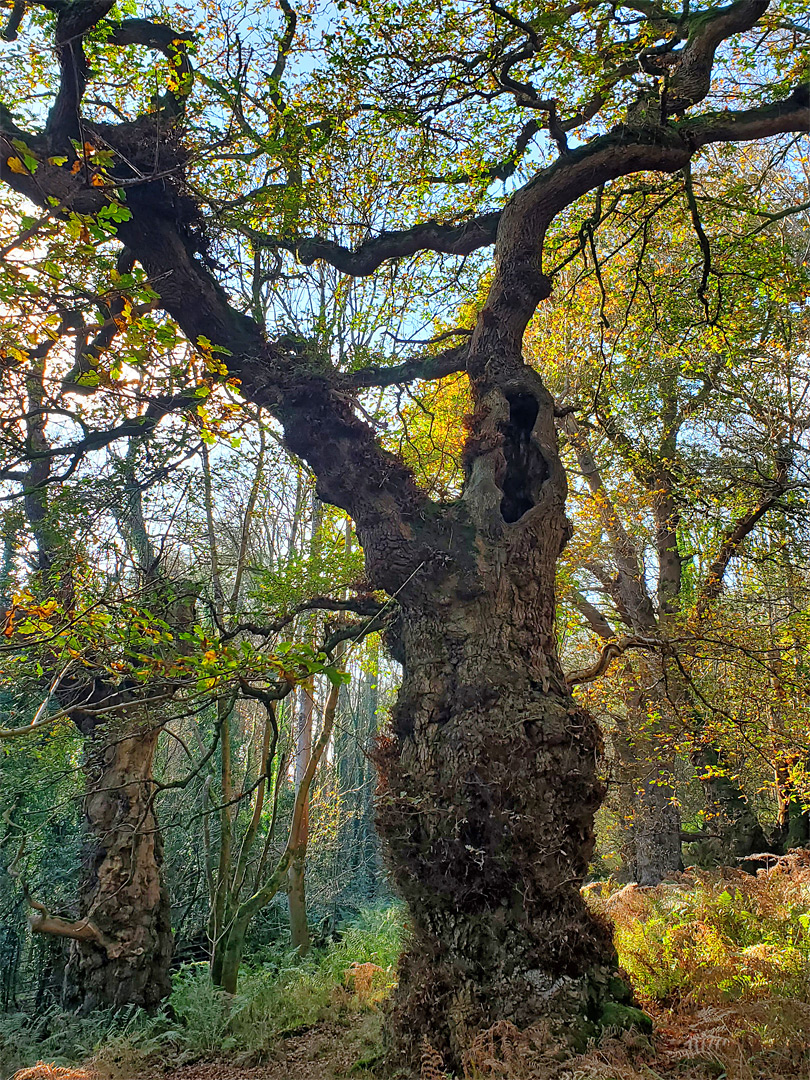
[[327, 1051], [700, 1045], [719, 959], [703, 1044]]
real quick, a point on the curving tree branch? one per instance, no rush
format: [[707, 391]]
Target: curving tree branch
[[424, 368]]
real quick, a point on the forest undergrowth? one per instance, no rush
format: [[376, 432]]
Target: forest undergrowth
[[720, 960]]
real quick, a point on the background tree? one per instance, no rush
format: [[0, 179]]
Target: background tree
[[681, 453]]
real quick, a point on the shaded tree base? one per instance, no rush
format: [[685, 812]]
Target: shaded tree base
[[487, 816], [439, 1006]]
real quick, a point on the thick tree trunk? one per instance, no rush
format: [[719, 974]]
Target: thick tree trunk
[[658, 707], [729, 815], [121, 892], [649, 817], [487, 797], [793, 820], [793, 826], [622, 771]]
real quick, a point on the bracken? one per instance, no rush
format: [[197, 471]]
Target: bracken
[[432, 1063], [43, 1071]]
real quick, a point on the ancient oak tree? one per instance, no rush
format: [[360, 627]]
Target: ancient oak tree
[[486, 122]]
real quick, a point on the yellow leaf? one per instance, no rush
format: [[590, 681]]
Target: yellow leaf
[[17, 166]]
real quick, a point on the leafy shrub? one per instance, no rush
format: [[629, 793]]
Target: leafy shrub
[[200, 1009], [55, 1036], [374, 937], [286, 994]]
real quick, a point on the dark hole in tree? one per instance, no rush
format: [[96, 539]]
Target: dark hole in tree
[[525, 466]]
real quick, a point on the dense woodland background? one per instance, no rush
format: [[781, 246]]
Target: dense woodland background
[[185, 622]]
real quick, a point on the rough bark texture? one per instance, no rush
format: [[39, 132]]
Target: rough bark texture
[[486, 804], [656, 831], [121, 889], [662, 704], [489, 787], [729, 815], [793, 820], [793, 826]]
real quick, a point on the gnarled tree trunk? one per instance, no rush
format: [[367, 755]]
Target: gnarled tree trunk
[[122, 894], [489, 786]]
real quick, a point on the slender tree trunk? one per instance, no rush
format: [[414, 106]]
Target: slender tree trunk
[[219, 919], [366, 844], [655, 841], [244, 912], [296, 885], [122, 892], [297, 898]]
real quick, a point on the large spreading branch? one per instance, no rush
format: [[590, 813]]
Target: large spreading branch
[[307, 396], [446, 239], [359, 605], [424, 368]]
